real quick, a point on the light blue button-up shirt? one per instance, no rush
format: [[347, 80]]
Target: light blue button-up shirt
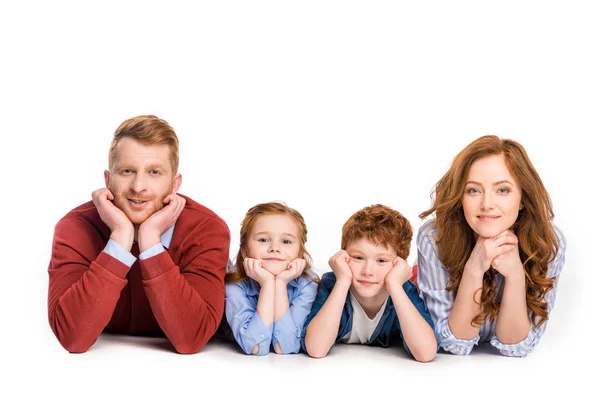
[[248, 328], [117, 251]]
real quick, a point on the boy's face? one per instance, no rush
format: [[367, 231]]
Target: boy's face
[[370, 264]]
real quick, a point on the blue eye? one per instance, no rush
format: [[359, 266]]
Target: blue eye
[[155, 172], [126, 171], [472, 191], [504, 190]]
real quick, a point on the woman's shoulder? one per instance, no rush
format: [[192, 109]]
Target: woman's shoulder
[[427, 232], [560, 236]]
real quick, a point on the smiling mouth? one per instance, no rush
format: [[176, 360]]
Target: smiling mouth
[[273, 259], [136, 202], [487, 218], [366, 283]]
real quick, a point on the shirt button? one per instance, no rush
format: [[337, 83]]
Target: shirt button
[[277, 332], [262, 335]]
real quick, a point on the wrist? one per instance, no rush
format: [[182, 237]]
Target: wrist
[[344, 281], [268, 281], [516, 277], [124, 237], [473, 272], [147, 239]]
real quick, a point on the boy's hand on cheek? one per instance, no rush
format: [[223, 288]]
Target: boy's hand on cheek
[[339, 265], [400, 272]]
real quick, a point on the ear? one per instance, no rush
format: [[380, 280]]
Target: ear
[[107, 178], [177, 180], [521, 207]]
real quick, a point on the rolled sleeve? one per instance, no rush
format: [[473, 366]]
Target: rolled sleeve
[[287, 331], [449, 342], [117, 251], [520, 349], [246, 325]]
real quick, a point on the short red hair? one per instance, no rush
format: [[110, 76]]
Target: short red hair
[[380, 225]]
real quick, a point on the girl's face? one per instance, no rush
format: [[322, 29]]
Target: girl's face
[[492, 197], [274, 240]]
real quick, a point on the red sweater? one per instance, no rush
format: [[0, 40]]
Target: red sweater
[[178, 293]]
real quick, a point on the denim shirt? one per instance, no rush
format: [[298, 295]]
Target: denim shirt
[[248, 328], [387, 331]]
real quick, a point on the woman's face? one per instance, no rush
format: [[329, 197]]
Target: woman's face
[[492, 197]]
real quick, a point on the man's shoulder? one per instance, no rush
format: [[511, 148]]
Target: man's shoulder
[[85, 213], [195, 214], [81, 225]]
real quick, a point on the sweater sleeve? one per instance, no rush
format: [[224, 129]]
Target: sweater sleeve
[[188, 299], [85, 284]]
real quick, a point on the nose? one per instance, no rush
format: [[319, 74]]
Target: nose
[[367, 269], [273, 246], [487, 201], [138, 184]]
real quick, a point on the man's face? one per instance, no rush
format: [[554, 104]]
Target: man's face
[[141, 178]]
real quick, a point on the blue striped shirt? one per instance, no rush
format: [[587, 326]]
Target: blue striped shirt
[[433, 279]]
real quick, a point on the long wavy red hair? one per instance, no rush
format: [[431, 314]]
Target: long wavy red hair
[[455, 239], [239, 274]]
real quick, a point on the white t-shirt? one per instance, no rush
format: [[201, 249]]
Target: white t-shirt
[[362, 325]]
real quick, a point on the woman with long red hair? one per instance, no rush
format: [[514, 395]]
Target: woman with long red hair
[[490, 259]]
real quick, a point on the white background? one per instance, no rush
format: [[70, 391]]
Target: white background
[[328, 106]]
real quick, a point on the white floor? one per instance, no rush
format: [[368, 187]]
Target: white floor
[[120, 366]]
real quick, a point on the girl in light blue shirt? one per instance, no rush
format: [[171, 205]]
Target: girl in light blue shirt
[[271, 288]]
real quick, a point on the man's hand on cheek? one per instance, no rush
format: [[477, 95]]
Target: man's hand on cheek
[[159, 222], [121, 228]]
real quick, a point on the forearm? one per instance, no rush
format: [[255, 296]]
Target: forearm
[[266, 302], [188, 307], [417, 333], [282, 303], [513, 325], [75, 312], [466, 307], [323, 329]]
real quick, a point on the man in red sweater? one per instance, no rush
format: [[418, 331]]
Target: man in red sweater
[[139, 258]]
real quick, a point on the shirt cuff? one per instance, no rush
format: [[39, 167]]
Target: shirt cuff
[[260, 334], [287, 334], [520, 349], [117, 251], [450, 343], [152, 251]]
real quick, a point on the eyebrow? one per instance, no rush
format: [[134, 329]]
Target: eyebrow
[[494, 184], [270, 233], [376, 255]]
